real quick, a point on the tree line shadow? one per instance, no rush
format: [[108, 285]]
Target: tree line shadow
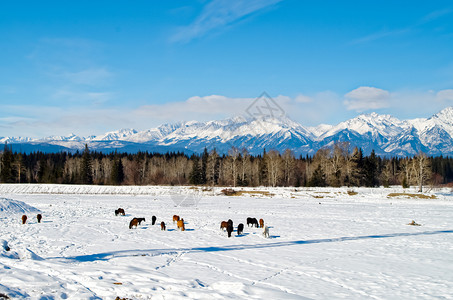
[[155, 252]]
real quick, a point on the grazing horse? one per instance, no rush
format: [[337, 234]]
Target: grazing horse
[[175, 218], [24, 219], [240, 228], [261, 223], [39, 217], [153, 220], [223, 225], [230, 228], [119, 211], [140, 220], [266, 232], [252, 221], [134, 222], [162, 225], [180, 225]]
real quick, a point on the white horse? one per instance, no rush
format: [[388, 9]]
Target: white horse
[[266, 232]]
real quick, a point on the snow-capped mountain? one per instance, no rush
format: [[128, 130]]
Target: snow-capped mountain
[[384, 134]]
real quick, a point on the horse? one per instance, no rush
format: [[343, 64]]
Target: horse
[[252, 221], [175, 218], [223, 225], [140, 220], [261, 223], [240, 228], [153, 220], [134, 222], [39, 217], [120, 211], [24, 219], [266, 232], [162, 225], [180, 225], [230, 228]]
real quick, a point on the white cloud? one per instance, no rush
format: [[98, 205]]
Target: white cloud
[[303, 99], [444, 95], [218, 14], [366, 98]]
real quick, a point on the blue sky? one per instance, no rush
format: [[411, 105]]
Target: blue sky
[[88, 67]]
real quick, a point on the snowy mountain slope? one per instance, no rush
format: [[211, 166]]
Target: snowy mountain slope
[[384, 134]]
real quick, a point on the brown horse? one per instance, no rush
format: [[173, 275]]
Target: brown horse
[[180, 225], [24, 219], [39, 217], [162, 225], [261, 223], [175, 218], [224, 225], [120, 211], [134, 222]]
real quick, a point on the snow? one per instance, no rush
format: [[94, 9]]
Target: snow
[[324, 243]]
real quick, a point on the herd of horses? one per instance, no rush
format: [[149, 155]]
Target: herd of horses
[[224, 225], [228, 226]]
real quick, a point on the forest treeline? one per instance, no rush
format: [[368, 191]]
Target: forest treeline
[[340, 165]]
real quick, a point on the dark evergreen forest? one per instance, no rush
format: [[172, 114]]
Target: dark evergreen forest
[[340, 165]]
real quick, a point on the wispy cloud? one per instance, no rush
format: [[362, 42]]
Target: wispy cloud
[[386, 33], [217, 14]]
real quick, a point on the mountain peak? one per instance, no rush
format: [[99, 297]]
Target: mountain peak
[[445, 115]]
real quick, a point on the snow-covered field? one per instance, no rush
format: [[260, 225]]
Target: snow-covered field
[[324, 244]]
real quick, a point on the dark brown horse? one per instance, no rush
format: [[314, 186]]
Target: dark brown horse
[[24, 219], [240, 228], [252, 221], [153, 220], [230, 228], [119, 211], [162, 225], [39, 217]]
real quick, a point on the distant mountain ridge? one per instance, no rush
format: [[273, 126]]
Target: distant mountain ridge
[[384, 134]]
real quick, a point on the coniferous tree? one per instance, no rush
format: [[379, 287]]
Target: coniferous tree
[[204, 165], [370, 168], [117, 175], [7, 173], [87, 167], [318, 178], [196, 176]]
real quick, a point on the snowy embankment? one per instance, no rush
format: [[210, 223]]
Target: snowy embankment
[[345, 243]]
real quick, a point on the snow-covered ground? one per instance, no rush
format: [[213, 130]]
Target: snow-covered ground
[[324, 244]]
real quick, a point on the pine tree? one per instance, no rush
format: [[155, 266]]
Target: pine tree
[[7, 173], [204, 165], [318, 178], [117, 174], [87, 167], [370, 167], [195, 176]]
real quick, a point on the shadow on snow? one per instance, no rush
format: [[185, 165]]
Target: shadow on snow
[[156, 252]]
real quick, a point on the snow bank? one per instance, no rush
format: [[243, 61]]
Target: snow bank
[[10, 206]]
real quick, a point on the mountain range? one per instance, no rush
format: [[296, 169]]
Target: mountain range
[[386, 135]]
